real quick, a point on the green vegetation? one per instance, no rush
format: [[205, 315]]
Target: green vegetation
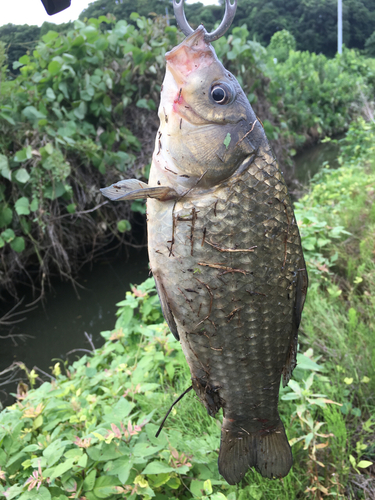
[[82, 115], [90, 432], [311, 22], [68, 126]]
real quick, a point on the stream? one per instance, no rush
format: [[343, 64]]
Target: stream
[[58, 326]]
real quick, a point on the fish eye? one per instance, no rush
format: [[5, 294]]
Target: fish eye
[[221, 93]]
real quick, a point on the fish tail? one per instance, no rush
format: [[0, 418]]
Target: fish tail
[[268, 451]]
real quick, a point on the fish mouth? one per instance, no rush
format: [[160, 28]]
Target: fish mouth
[[192, 54]]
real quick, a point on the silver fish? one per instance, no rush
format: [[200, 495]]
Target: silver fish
[[226, 254]]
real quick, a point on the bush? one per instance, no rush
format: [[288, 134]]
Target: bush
[[68, 127], [282, 42]]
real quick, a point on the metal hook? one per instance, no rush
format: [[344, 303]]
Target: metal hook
[[230, 11]]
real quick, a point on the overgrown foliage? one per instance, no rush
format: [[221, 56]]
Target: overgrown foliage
[[315, 96], [90, 432], [312, 23], [65, 131]]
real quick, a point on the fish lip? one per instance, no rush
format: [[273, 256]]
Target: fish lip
[[191, 54]]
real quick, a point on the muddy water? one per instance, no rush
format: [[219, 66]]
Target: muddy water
[[58, 326], [311, 159]]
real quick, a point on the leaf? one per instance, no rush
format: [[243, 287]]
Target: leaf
[[207, 486], [227, 140], [363, 464], [220, 496], [7, 118], [54, 451], [157, 468], [105, 486], [50, 94], [123, 225], [121, 468], [54, 67], [107, 103], [6, 216], [71, 208], [18, 245], [81, 111], [306, 363], [32, 114], [62, 468], [8, 235], [89, 481], [22, 175], [23, 154], [22, 206], [34, 205], [4, 167]]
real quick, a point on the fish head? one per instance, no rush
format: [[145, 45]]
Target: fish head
[[205, 117]]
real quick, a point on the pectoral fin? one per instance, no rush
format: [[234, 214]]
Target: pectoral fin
[[133, 189]]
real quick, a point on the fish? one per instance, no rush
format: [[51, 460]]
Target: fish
[[225, 252]]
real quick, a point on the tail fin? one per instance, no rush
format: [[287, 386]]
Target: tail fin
[[269, 453]]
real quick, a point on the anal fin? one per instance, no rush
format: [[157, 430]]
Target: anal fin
[[291, 358], [133, 189], [166, 308]]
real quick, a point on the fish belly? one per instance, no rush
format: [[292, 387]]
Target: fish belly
[[227, 261]]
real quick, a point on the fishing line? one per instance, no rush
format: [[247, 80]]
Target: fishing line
[[170, 409]]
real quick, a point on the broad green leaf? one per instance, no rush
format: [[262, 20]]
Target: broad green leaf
[[32, 114], [107, 103], [305, 363], [105, 486], [23, 154], [49, 148], [220, 496], [18, 245], [63, 87], [6, 216], [54, 451], [81, 111], [8, 235], [123, 225], [22, 206], [34, 205], [50, 94], [22, 175], [71, 208], [89, 481], [4, 167], [120, 468], [7, 118], [363, 464], [51, 35], [62, 468], [54, 67]]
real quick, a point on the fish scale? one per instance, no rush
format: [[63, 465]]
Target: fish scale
[[226, 256], [221, 222]]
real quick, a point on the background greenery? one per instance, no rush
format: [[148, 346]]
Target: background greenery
[[313, 23], [90, 431]]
